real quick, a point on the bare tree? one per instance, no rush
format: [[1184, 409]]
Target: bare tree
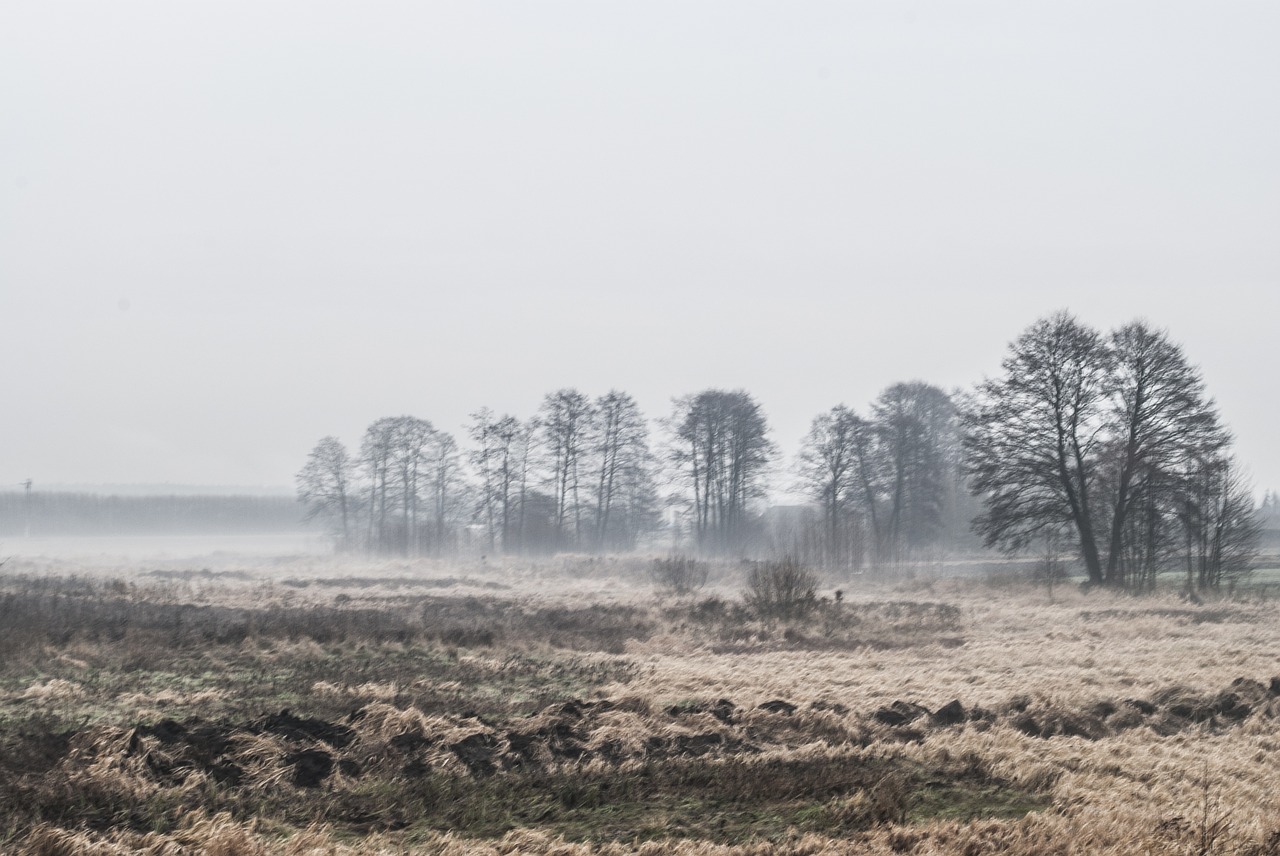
[[1222, 525], [917, 451], [565, 423], [828, 470], [1033, 434], [324, 487], [721, 450], [410, 440], [896, 474], [496, 459], [395, 456], [1111, 438], [525, 453], [871, 481], [376, 461], [445, 484], [1160, 423], [625, 494]]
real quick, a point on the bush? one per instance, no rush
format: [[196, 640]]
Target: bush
[[678, 574], [781, 589]]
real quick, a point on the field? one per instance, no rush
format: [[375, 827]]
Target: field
[[302, 705]]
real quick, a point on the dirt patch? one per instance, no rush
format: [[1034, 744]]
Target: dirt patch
[[295, 728], [33, 746]]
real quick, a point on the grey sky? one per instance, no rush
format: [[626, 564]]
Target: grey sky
[[228, 228]]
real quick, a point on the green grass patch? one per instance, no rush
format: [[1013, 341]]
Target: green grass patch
[[729, 801], [967, 801]]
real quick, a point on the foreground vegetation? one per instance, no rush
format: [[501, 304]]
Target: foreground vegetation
[[411, 708]]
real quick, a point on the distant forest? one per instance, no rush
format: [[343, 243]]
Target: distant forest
[[44, 514], [1100, 451]]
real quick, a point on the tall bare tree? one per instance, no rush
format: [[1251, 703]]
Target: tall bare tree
[[565, 424], [411, 439], [395, 457], [1033, 434], [1160, 423], [496, 459], [376, 450], [828, 470], [1108, 437], [324, 487], [1222, 526], [721, 450], [445, 463], [917, 440], [525, 454], [622, 472]]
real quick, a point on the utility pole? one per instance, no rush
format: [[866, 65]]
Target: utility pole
[[26, 510]]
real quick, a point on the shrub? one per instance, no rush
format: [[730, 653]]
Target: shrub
[[678, 574], [781, 589]]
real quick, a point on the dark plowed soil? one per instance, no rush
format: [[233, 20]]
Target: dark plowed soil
[[1168, 711], [314, 749], [532, 770]]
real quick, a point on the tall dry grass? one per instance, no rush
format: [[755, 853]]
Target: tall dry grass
[[1110, 784]]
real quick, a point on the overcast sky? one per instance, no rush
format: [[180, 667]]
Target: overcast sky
[[229, 228]]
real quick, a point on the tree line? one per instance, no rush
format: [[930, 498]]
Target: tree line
[[1103, 445], [56, 513], [577, 475]]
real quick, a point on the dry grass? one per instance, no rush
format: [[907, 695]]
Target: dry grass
[[577, 712]]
